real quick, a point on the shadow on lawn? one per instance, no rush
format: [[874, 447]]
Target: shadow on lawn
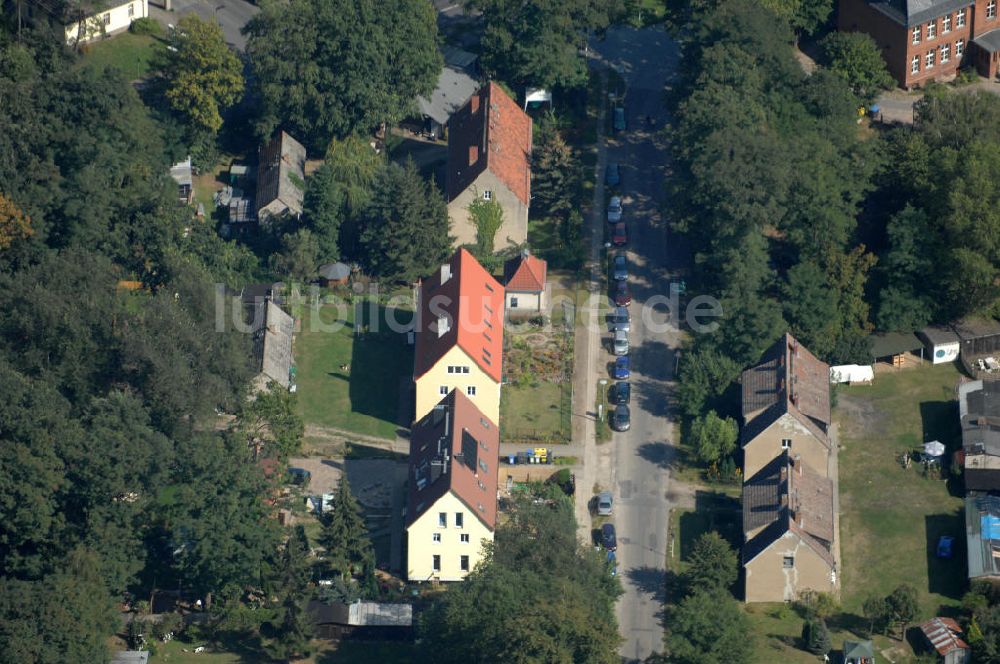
[[712, 511], [945, 576], [380, 357]]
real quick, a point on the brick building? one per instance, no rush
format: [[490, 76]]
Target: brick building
[[928, 40]]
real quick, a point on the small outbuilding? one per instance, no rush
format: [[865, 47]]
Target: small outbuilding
[[181, 172], [380, 620], [892, 347], [979, 339], [272, 346], [281, 177], [334, 274], [524, 279], [941, 342], [456, 83], [944, 636], [859, 652]]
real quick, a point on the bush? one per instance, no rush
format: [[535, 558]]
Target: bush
[[145, 26]]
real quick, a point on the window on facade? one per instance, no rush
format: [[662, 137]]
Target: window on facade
[[458, 369], [960, 18], [443, 389], [464, 538], [471, 390], [442, 519], [513, 303], [786, 443], [106, 19], [946, 24], [788, 562], [915, 65], [131, 11], [945, 53], [991, 9], [959, 48], [459, 519], [482, 464], [929, 60], [436, 537], [464, 563], [487, 195], [437, 563], [916, 35], [932, 30]]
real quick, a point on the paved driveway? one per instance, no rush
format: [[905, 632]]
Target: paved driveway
[[638, 464], [232, 15]]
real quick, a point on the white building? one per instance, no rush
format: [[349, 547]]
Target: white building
[[86, 23]]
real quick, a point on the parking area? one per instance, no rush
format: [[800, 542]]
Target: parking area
[[232, 15]]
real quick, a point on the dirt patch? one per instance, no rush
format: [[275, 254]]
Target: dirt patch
[[326, 473], [859, 418]]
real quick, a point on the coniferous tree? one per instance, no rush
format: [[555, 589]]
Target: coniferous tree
[[348, 547], [406, 226]]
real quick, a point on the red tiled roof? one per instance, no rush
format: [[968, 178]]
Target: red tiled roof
[[942, 634], [525, 274], [489, 132], [466, 463], [792, 376], [469, 305]]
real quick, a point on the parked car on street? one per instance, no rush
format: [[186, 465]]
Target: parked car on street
[[620, 266], [609, 539], [612, 563], [612, 175], [615, 210], [621, 420], [621, 392], [619, 319], [619, 119], [621, 368], [605, 503], [619, 344], [623, 296], [619, 236]]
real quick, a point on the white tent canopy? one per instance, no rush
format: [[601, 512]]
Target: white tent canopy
[[852, 373], [536, 96], [935, 448]]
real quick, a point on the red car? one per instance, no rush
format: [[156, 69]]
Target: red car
[[623, 297], [619, 236]]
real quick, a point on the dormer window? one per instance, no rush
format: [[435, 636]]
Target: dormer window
[[487, 195]]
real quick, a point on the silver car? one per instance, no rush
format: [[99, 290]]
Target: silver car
[[615, 210], [620, 342], [604, 503], [619, 320]]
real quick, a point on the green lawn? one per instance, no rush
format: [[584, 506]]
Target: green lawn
[[535, 412], [892, 517], [173, 652], [363, 398], [132, 54]]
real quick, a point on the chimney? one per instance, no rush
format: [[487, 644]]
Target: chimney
[[474, 103], [473, 154], [798, 463], [445, 273]]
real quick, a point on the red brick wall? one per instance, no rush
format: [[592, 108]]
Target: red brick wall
[[895, 40]]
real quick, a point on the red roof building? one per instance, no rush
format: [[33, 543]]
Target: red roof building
[[489, 152], [524, 282], [459, 335], [943, 634]]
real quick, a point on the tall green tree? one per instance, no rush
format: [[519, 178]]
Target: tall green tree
[[332, 68], [709, 628], [541, 44], [714, 437], [856, 57], [270, 424], [298, 257], [348, 546], [292, 631], [406, 226], [554, 172], [203, 75], [712, 565]]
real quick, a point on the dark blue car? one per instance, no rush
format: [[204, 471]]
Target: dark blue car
[[945, 547], [621, 370]]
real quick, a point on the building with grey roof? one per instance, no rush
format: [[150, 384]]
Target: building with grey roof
[[456, 83], [272, 345], [281, 177]]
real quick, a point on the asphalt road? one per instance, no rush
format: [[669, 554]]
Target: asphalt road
[[641, 456], [231, 15]]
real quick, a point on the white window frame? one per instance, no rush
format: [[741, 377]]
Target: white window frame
[[959, 48], [946, 24], [916, 35], [487, 195], [106, 18], [932, 30], [945, 53], [470, 390], [915, 65], [930, 58], [464, 538], [991, 10], [442, 519], [960, 18], [459, 520], [786, 443], [436, 538]]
